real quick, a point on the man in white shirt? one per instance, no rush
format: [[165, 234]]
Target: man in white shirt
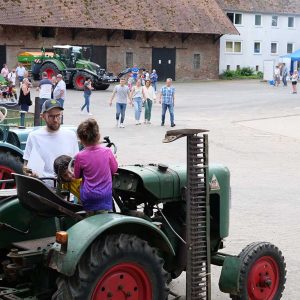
[[45, 88], [20, 70], [45, 144], [59, 92]]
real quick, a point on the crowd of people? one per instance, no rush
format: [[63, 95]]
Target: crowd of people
[[282, 74]]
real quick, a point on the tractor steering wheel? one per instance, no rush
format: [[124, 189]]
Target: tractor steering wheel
[[3, 113]]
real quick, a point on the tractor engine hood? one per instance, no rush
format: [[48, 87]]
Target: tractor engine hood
[[160, 183]]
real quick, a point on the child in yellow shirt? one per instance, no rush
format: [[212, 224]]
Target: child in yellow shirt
[[65, 177]]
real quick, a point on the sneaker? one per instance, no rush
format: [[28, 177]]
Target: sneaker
[[173, 125], [122, 125], [90, 114], [117, 125]]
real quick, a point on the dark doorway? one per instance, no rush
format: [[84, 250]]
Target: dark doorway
[[164, 62], [99, 55], [2, 55]]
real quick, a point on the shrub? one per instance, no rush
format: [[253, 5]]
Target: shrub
[[229, 74], [247, 71], [260, 74]]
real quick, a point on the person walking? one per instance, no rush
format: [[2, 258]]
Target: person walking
[[167, 99], [150, 96], [154, 78], [4, 71], [60, 91], [284, 71], [137, 96], [20, 71], [277, 76], [12, 76], [54, 82], [87, 91], [24, 99], [45, 89], [294, 82], [122, 94]]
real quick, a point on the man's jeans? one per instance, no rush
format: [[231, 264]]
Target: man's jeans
[[137, 107], [284, 80], [170, 107], [121, 108]]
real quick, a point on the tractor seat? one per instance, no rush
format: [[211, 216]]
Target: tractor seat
[[36, 196]]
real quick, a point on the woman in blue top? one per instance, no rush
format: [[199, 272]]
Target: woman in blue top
[[87, 91]]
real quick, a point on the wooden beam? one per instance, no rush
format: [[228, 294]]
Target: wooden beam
[[149, 35], [110, 34], [184, 37]]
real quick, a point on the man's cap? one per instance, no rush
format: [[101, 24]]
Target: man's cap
[[59, 76], [49, 104]]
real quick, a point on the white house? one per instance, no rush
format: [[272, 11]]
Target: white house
[[268, 29]]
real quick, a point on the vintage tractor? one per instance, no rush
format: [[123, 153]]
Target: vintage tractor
[[166, 220], [73, 62]]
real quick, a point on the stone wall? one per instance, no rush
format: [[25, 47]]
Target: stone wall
[[19, 39]]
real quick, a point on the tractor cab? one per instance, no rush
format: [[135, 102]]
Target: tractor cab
[[71, 54]]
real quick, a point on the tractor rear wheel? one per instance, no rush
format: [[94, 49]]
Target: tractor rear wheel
[[117, 267], [9, 164], [263, 273], [50, 68], [102, 87], [79, 79]]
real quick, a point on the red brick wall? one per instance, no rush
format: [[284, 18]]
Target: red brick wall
[[18, 39]]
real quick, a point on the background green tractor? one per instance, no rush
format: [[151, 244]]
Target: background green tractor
[[167, 220], [73, 62]]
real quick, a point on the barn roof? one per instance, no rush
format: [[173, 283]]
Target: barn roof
[[262, 6], [183, 16]]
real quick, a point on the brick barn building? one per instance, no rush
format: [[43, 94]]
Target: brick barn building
[[180, 39]]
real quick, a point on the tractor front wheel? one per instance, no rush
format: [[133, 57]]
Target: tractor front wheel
[[117, 267], [79, 79], [50, 68], [263, 273]]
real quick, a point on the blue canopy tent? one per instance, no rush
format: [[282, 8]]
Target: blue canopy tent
[[295, 57]]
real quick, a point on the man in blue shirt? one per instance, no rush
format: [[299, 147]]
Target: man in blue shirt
[[167, 99], [135, 72]]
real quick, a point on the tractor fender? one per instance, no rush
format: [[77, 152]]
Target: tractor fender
[[85, 232], [58, 63], [15, 151]]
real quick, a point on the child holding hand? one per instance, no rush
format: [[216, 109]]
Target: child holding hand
[[95, 165]]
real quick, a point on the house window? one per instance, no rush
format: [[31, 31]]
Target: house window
[[274, 48], [257, 68], [129, 59], [233, 47], [257, 21], [128, 35], [257, 47], [196, 61], [238, 67], [291, 22], [274, 21], [48, 32], [235, 18], [290, 48], [228, 67]]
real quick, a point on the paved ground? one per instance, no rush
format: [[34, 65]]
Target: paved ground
[[254, 130]]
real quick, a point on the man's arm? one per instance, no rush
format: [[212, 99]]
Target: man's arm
[[112, 97]]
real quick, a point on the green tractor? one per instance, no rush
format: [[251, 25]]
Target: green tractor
[[73, 62], [166, 220]]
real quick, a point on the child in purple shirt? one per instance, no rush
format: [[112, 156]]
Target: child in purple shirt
[[95, 165]]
